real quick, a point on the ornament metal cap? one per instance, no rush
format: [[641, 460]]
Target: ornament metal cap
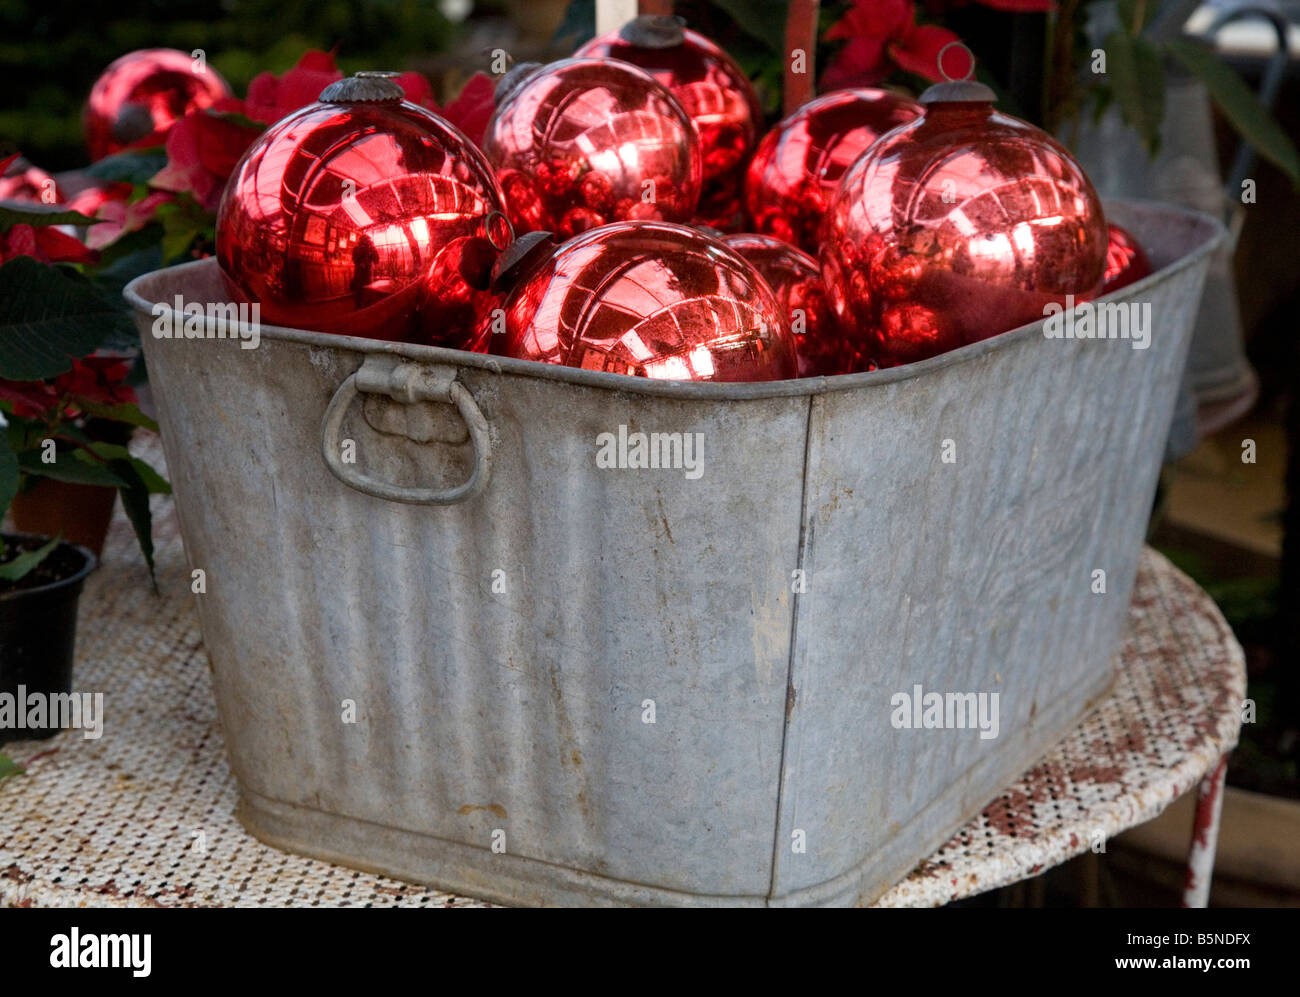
[[372, 87], [511, 82], [519, 256], [958, 92], [654, 31], [134, 122]]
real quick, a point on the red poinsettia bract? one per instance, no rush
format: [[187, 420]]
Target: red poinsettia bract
[[882, 36], [92, 381]]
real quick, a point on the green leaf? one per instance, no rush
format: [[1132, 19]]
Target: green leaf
[[26, 562], [71, 467], [9, 767], [136, 166], [39, 217], [9, 474], [48, 316], [1101, 104], [579, 23], [177, 242], [121, 262], [135, 502], [1241, 107], [1129, 12], [1137, 78], [128, 244], [113, 453], [237, 119], [128, 413], [183, 221], [761, 19]]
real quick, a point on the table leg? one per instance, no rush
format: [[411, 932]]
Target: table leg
[[1205, 837]]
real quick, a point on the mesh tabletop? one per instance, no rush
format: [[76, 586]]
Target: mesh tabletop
[[144, 816]]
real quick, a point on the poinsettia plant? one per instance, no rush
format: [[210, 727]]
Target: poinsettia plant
[[67, 246], [201, 149], [66, 410], [1044, 44], [74, 427], [155, 202]]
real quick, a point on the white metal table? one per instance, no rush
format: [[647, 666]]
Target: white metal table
[[145, 815]]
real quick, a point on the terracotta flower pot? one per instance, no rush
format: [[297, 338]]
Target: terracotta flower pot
[[78, 513]]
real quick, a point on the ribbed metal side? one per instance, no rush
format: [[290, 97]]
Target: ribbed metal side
[[974, 576], [479, 710], [500, 654]]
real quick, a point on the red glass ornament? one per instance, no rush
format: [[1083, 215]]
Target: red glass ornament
[[956, 227], [583, 142], [144, 92], [715, 93], [30, 184], [1126, 262], [363, 215], [800, 162], [796, 280], [650, 299]]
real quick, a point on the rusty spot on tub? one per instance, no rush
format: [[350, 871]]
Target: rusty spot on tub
[[496, 809], [577, 757], [789, 702], [929, 869], [663, 518]]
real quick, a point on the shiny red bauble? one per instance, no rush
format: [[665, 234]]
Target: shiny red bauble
[[958, 226], [144, 92], [799, 163], [584, 142], [714, 91], [796, 281], [363, 215], [650, 299], [27, 183], [1126, 262]]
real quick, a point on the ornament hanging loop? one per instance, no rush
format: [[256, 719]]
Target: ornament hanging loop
[[966, 90], [500, 233], [970, 56]]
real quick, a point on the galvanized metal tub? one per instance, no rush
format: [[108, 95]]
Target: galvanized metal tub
[[504, 653]]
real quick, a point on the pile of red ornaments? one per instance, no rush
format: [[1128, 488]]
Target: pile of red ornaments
[[623, 214]]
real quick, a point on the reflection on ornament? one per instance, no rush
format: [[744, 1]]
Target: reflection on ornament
[[650, 299], [363, 215], [796, 281], [800, 162], [30, 184], [583, 142], [1126, 263], [956, 227], [713, 90], [144, 92]]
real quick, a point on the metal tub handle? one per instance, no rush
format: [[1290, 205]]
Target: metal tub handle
[[407, 382]]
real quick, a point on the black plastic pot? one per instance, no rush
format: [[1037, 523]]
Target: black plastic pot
[[38, 629]]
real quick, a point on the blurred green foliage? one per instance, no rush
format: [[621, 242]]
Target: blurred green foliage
[[1263, 760], [51, 51]]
